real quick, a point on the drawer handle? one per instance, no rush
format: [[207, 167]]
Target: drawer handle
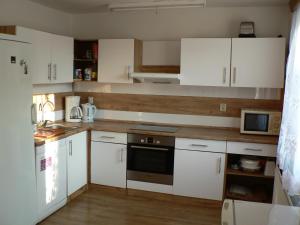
[[107, 137], [199, 145], [253, 149], [148, 148]]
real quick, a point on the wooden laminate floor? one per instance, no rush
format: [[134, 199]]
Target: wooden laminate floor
[[99, 206]]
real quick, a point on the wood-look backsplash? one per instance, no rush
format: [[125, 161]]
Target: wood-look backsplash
[[186, 105]]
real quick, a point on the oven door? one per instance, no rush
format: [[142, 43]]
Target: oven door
[[148, 163]]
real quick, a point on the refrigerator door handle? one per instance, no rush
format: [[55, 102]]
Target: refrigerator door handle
[[23, 63], [34, 113]]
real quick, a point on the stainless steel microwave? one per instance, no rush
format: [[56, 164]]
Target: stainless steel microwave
[[257, 121]]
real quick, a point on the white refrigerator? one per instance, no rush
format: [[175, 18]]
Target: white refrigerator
[[17, 156]]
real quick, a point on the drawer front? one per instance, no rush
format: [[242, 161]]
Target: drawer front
[[110, 137], [200, 145], [251, 149]]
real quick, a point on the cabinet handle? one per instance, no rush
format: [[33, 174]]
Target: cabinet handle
[[219, 163], [234, 75], [253, 149], [128, 72], [55, 71], [199, 145], [121, 157], [224, 75], [49, 71], [107, 137], [70, 148]]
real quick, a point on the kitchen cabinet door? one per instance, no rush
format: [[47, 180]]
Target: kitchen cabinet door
[[199, 174], [258, 62], [77, 161], [62, 55], [108, 164], [51, 175], [205, 61], [41, 57], [116, 60]]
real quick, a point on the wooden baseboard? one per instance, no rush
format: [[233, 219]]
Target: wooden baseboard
[[78, 192], [159, 196]]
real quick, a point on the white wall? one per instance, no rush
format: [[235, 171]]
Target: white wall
[[173, 24], [33, 15]]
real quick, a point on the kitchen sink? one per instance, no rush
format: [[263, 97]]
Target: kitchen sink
[[61, 126], [55, 126], [52, 130]]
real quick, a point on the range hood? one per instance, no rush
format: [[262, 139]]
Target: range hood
[[157, 78]]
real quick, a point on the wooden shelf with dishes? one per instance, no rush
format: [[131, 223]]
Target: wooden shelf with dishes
[[85, 60], [248, 174], [242, 183]]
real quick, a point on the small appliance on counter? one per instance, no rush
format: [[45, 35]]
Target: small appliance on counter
[[89, 112], [258, 121], [73, 112]]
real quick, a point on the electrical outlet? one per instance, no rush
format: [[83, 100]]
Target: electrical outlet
[[223, 107]]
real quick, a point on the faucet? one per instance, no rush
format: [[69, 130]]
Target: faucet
[[43, 122]]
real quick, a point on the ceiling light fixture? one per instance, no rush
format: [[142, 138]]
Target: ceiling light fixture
[[158, 4]]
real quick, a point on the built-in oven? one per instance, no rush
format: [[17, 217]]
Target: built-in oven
[[150, 158]]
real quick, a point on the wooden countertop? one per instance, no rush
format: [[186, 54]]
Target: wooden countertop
[[196, 132]]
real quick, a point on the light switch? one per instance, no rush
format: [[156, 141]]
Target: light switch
[[223, 107]]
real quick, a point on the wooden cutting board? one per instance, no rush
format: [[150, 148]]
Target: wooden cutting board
[[49, 132]]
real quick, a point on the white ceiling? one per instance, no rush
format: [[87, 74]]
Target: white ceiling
[[86, 6]]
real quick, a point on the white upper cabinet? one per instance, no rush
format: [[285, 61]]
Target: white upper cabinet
[[52, 58], [237, 62], [258, 62], [41, 53], [117, 58], [62, 59], [205, 61]]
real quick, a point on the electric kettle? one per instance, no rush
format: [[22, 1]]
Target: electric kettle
[[89, 112]]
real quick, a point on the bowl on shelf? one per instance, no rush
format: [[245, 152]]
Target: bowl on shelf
[[250, 164]]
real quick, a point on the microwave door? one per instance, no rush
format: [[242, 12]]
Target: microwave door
[[256, 122]]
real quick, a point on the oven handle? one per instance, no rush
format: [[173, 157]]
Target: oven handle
[[149, 148]]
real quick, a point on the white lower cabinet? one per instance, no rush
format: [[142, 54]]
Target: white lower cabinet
[[108, 164], [199, 174], [77, 161]]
